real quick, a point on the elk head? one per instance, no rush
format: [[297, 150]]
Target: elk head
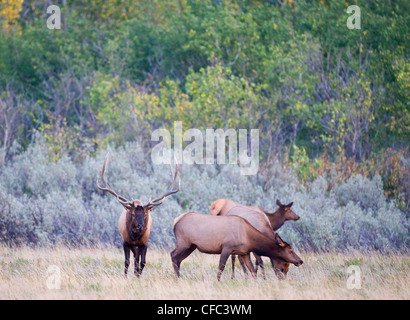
[[286, 252], [137, 212], [281, 268], [286, 212]]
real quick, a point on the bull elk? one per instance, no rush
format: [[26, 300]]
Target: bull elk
[[252, 214], [225, 235], [135, 221]]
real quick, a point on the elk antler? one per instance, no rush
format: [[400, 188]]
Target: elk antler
[[122, 200], [156, 202]]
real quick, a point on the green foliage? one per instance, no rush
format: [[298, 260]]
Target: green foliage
[[295, 66], [321, 95], [220, 99]]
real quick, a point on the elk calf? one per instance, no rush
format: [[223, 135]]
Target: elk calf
[[225, 235], [135, 222]]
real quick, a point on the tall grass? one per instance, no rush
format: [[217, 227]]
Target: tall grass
[[97, 273]]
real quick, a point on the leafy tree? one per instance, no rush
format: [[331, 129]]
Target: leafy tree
[[10, 12]]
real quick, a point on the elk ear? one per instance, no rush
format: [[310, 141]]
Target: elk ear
[[280, 241], [289, 205], [278, 203]]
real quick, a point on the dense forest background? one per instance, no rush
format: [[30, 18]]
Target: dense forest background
[[331, 105]]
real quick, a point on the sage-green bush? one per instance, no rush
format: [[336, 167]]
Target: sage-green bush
[[45, 203]]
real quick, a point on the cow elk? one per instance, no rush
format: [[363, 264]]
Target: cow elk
[[284, 213], [225, 235], [223, 207], [135, 221]]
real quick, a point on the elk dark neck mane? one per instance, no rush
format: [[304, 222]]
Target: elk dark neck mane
[[262, 245], [276, 219], [131, 227]]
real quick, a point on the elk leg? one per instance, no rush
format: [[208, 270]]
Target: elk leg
[[243, 265], [126, 247], [233, 266], [143, 251], [136, 252], [222, 261], [178, 255], [248, 262], [259, 263]]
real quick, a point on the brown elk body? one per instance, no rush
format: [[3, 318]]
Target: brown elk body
[[225, 235], [135, 222], [251, 213], [284, 213]]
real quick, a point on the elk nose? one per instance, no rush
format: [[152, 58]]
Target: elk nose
[[140, 225], [299, 263]]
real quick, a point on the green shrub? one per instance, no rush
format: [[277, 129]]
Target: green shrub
[[44, 202]]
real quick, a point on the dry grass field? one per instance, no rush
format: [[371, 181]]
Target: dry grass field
[[97, 274]]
